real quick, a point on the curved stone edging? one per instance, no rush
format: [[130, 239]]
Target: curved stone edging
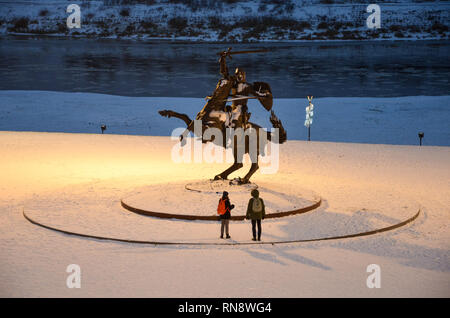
[[190, 188], [361, 234], [215, 217]]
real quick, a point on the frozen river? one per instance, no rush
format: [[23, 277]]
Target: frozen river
[[130, 68]]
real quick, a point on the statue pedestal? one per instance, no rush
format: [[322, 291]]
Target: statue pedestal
[[218, 186], [198, 200]]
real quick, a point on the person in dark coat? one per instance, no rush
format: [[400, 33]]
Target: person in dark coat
[[225, 218], [256, 212]]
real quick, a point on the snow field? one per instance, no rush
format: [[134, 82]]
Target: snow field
[[77, 180]]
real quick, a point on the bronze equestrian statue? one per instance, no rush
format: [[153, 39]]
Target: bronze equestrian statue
[[216, 114]]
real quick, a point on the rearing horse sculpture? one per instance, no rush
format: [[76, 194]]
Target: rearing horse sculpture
[[215, 114]]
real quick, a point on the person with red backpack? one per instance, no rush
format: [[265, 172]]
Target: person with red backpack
[[256, 211], [224, 211]]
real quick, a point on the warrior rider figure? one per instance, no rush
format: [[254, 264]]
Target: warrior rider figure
[[240, 92], [215, 113]]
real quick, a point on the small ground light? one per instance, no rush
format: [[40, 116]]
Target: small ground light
[[421, 134], [103, 127]]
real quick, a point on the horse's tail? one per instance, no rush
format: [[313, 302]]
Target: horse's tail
[[170, 113], [183, 117]]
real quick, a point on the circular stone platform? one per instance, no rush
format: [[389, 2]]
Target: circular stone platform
[[218, 186], [98, 216], [68, 231], [198, 200]]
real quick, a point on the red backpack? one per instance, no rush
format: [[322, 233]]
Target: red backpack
[[221, 209]]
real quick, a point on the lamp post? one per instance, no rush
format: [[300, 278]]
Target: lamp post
[[421, 134], [309, 116]]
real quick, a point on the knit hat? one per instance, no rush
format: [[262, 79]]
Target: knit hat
[[255, 193]]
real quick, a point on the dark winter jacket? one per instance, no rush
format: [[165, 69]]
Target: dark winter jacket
[[252, 215], [228, 207]]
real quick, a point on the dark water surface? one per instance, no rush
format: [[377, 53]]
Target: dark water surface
[[129, 68]]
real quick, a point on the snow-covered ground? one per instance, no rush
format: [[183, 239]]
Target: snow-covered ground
[[245, 20], [365, 120], [76, 181]]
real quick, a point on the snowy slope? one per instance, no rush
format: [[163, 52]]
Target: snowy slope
[[363, 120], [222, 21]]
